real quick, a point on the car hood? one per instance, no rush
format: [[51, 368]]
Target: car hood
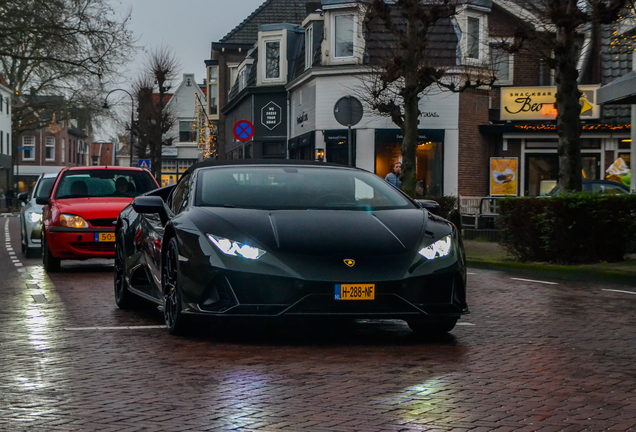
[[93, 208], [319, 232]]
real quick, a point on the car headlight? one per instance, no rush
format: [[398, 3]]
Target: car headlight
[[35, 217], [440, 248], [72, 221], [234, 248]]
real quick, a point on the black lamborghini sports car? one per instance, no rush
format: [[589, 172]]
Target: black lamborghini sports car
[[289, 239]]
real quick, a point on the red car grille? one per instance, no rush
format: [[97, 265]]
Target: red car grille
[[109, 222], [94, 247]]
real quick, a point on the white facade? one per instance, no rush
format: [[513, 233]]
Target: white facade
[[5, 120], [312, 102]]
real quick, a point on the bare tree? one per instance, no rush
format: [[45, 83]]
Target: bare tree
[[407, 61], [68, 48], [557, 28], [154, 120]]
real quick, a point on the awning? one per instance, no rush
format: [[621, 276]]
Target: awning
[[621, 91]]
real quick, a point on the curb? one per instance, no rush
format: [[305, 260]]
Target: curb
[[558, 272]]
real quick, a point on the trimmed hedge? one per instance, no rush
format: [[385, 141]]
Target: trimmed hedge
[[568, 229]]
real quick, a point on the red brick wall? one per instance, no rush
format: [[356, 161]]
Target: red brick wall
[[474, 149]]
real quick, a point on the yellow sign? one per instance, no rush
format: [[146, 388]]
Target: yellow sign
[[503, 176], [169, 179], [537, 103]]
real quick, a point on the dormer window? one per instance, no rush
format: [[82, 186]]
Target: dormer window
[[309, 46], [474, 31], [344, 35], [272, 60]]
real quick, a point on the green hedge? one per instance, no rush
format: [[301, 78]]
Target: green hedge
[[569, 229]]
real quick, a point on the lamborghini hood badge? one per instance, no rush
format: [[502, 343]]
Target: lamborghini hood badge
[[350, 262]]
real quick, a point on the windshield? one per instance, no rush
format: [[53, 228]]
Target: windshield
[[296, 187], [44, 187], [104, 183]]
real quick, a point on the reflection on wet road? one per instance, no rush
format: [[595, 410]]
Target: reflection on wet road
[[532, 356]]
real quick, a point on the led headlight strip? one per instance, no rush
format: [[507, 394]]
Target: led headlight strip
[[234, 248], [439, 249]]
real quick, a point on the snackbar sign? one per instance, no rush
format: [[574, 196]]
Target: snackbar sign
[[537, 103]]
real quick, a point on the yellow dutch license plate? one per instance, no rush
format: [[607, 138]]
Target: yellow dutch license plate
[[355, 292], [105, 237]]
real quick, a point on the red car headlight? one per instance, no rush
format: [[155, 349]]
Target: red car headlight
[[72, 221]]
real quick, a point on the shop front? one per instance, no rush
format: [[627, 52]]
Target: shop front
[[429, 157], [527, 132]]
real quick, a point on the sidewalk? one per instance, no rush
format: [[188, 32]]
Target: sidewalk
[[489, 255]]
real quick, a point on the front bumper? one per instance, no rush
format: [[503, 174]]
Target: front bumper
[[71, 243], [243, 294]]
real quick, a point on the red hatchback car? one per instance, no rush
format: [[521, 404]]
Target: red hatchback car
[[80, 213]]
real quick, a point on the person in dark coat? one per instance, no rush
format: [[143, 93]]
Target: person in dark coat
[[9, 195]]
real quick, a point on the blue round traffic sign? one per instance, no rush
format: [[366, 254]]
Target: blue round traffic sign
[[243, 130]]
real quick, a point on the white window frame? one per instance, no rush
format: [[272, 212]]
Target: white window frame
[[232, 70], [483, 53], [242, 78], [49, 145], [494, 45], [31, 144], [279, 78], [332, 36], [213, 83], [309, 46], [63, 159]]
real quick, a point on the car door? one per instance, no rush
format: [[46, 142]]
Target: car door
[[153, 229]]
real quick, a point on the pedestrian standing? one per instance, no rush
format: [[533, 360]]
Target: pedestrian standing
[[8, 195], [394, 176]]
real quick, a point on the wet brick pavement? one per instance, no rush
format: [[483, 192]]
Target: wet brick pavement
[[530, 357]]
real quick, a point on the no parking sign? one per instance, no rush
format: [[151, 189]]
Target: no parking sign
[[243, 130]]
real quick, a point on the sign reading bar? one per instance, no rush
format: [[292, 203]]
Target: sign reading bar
[[537, 103]]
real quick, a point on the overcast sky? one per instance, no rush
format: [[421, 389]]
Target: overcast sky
[[187, 27]]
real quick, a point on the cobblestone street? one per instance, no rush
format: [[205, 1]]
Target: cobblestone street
[[535, 354]]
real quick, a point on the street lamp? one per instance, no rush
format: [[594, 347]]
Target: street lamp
[[132, 117]]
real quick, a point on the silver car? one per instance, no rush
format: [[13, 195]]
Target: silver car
[[31, 215]]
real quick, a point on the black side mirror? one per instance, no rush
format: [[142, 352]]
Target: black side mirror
[[151, 205], [42, 200], [430, 205], [23, 196]]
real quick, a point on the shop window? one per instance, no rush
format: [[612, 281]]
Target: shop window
[[274, 149], [187, 132], [542, 171]]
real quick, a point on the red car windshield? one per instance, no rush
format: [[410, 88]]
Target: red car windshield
[[104, 183]]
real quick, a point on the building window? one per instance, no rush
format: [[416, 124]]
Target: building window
[[242, 79], [187, 132], [28, 153], [272, 59], [213, 90], [1, 142], [473, 41], [63, 150], [185, 164], [1, 100], [309, 46], [168, 165], [50, 148], [344, 35], [501, 62]]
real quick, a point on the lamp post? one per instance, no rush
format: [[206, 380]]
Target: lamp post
[[132, 117]]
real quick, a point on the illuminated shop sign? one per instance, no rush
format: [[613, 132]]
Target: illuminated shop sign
[[537, 103]]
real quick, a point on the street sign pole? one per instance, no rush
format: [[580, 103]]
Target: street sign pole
[[349, 144]]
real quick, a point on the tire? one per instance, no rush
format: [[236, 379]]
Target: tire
[[175, 320], [23, 246], [33, 252], [51, 263], [124, 299], [432, 329]]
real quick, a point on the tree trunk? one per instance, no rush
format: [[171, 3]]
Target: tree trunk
[[568, 112], [410, 128]]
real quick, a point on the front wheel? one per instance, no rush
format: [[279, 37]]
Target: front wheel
[[173, 315], [51, 263], [124, 299]]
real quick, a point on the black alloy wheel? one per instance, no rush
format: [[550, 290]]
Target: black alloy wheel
[[124, 299], [171, 285], [51, 263]]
